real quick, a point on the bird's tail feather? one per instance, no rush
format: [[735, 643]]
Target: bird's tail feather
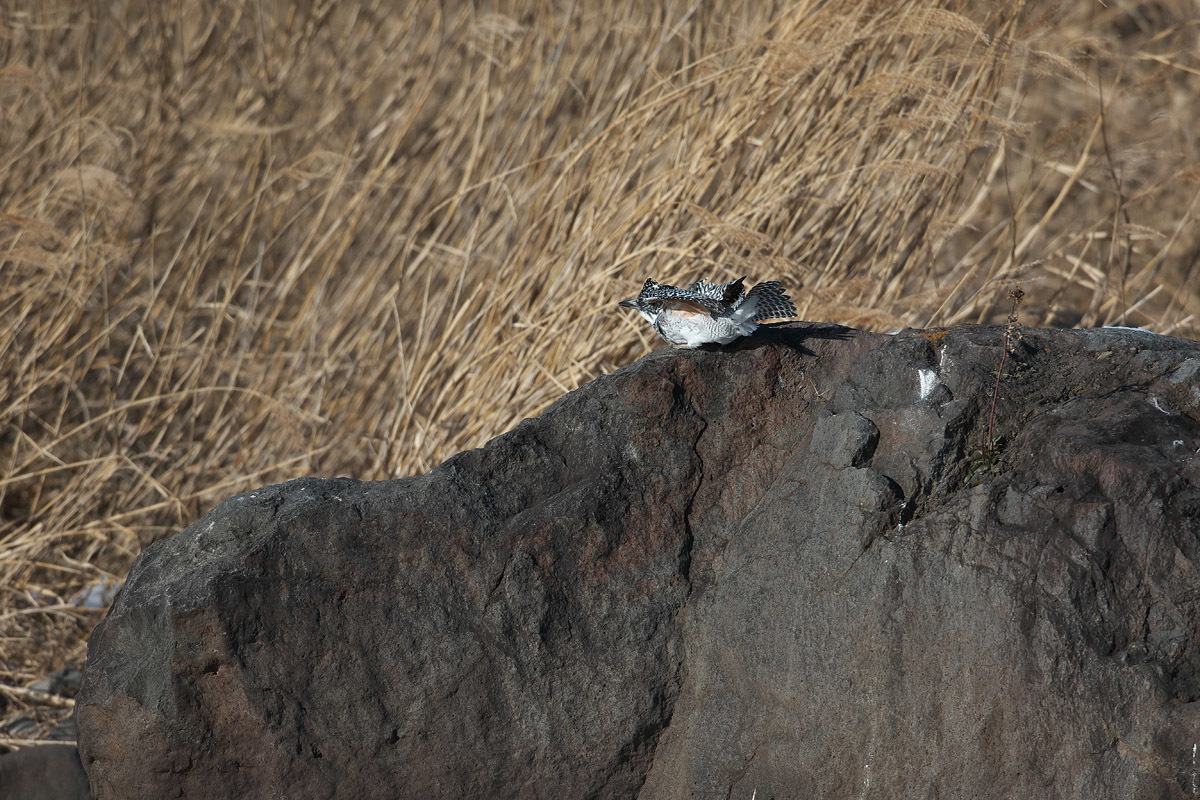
[[765, 301]]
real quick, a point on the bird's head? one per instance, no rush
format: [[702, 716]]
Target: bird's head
[[649, 300]]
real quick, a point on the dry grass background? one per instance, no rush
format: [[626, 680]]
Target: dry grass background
[[244, 242]]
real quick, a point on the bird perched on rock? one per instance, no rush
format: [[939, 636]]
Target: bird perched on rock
[[707, 312]]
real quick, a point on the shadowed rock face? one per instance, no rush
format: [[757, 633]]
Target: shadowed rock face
[[43, 772], [780, 568]]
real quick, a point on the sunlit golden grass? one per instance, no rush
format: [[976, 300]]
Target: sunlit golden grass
[[242, 243]]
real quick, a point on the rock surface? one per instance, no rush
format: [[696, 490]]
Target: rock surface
[[43, 772], [786, 568]]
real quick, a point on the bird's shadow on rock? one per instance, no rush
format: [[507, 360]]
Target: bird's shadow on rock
[[789, 334]]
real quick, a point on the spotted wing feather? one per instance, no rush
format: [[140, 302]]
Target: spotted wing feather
[[728, 293]]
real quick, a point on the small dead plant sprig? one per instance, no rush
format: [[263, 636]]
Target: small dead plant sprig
[[1012, 335], [1121, 212]]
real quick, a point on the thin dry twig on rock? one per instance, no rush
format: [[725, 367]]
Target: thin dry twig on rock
[[1012, 335]]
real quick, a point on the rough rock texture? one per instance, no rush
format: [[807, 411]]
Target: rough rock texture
[[786, 568], [44, 772]]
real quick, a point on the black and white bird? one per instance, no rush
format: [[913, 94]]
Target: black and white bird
[[707, 312]]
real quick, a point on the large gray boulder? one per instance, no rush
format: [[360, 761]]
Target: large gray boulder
[[791, 567]]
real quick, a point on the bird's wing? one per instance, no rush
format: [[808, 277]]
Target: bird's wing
[[689, 306], [733, 292], [728, 293]]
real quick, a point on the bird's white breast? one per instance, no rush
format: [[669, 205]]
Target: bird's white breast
[[694, 330]]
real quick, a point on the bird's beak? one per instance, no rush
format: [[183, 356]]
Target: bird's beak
[[628, 303]]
